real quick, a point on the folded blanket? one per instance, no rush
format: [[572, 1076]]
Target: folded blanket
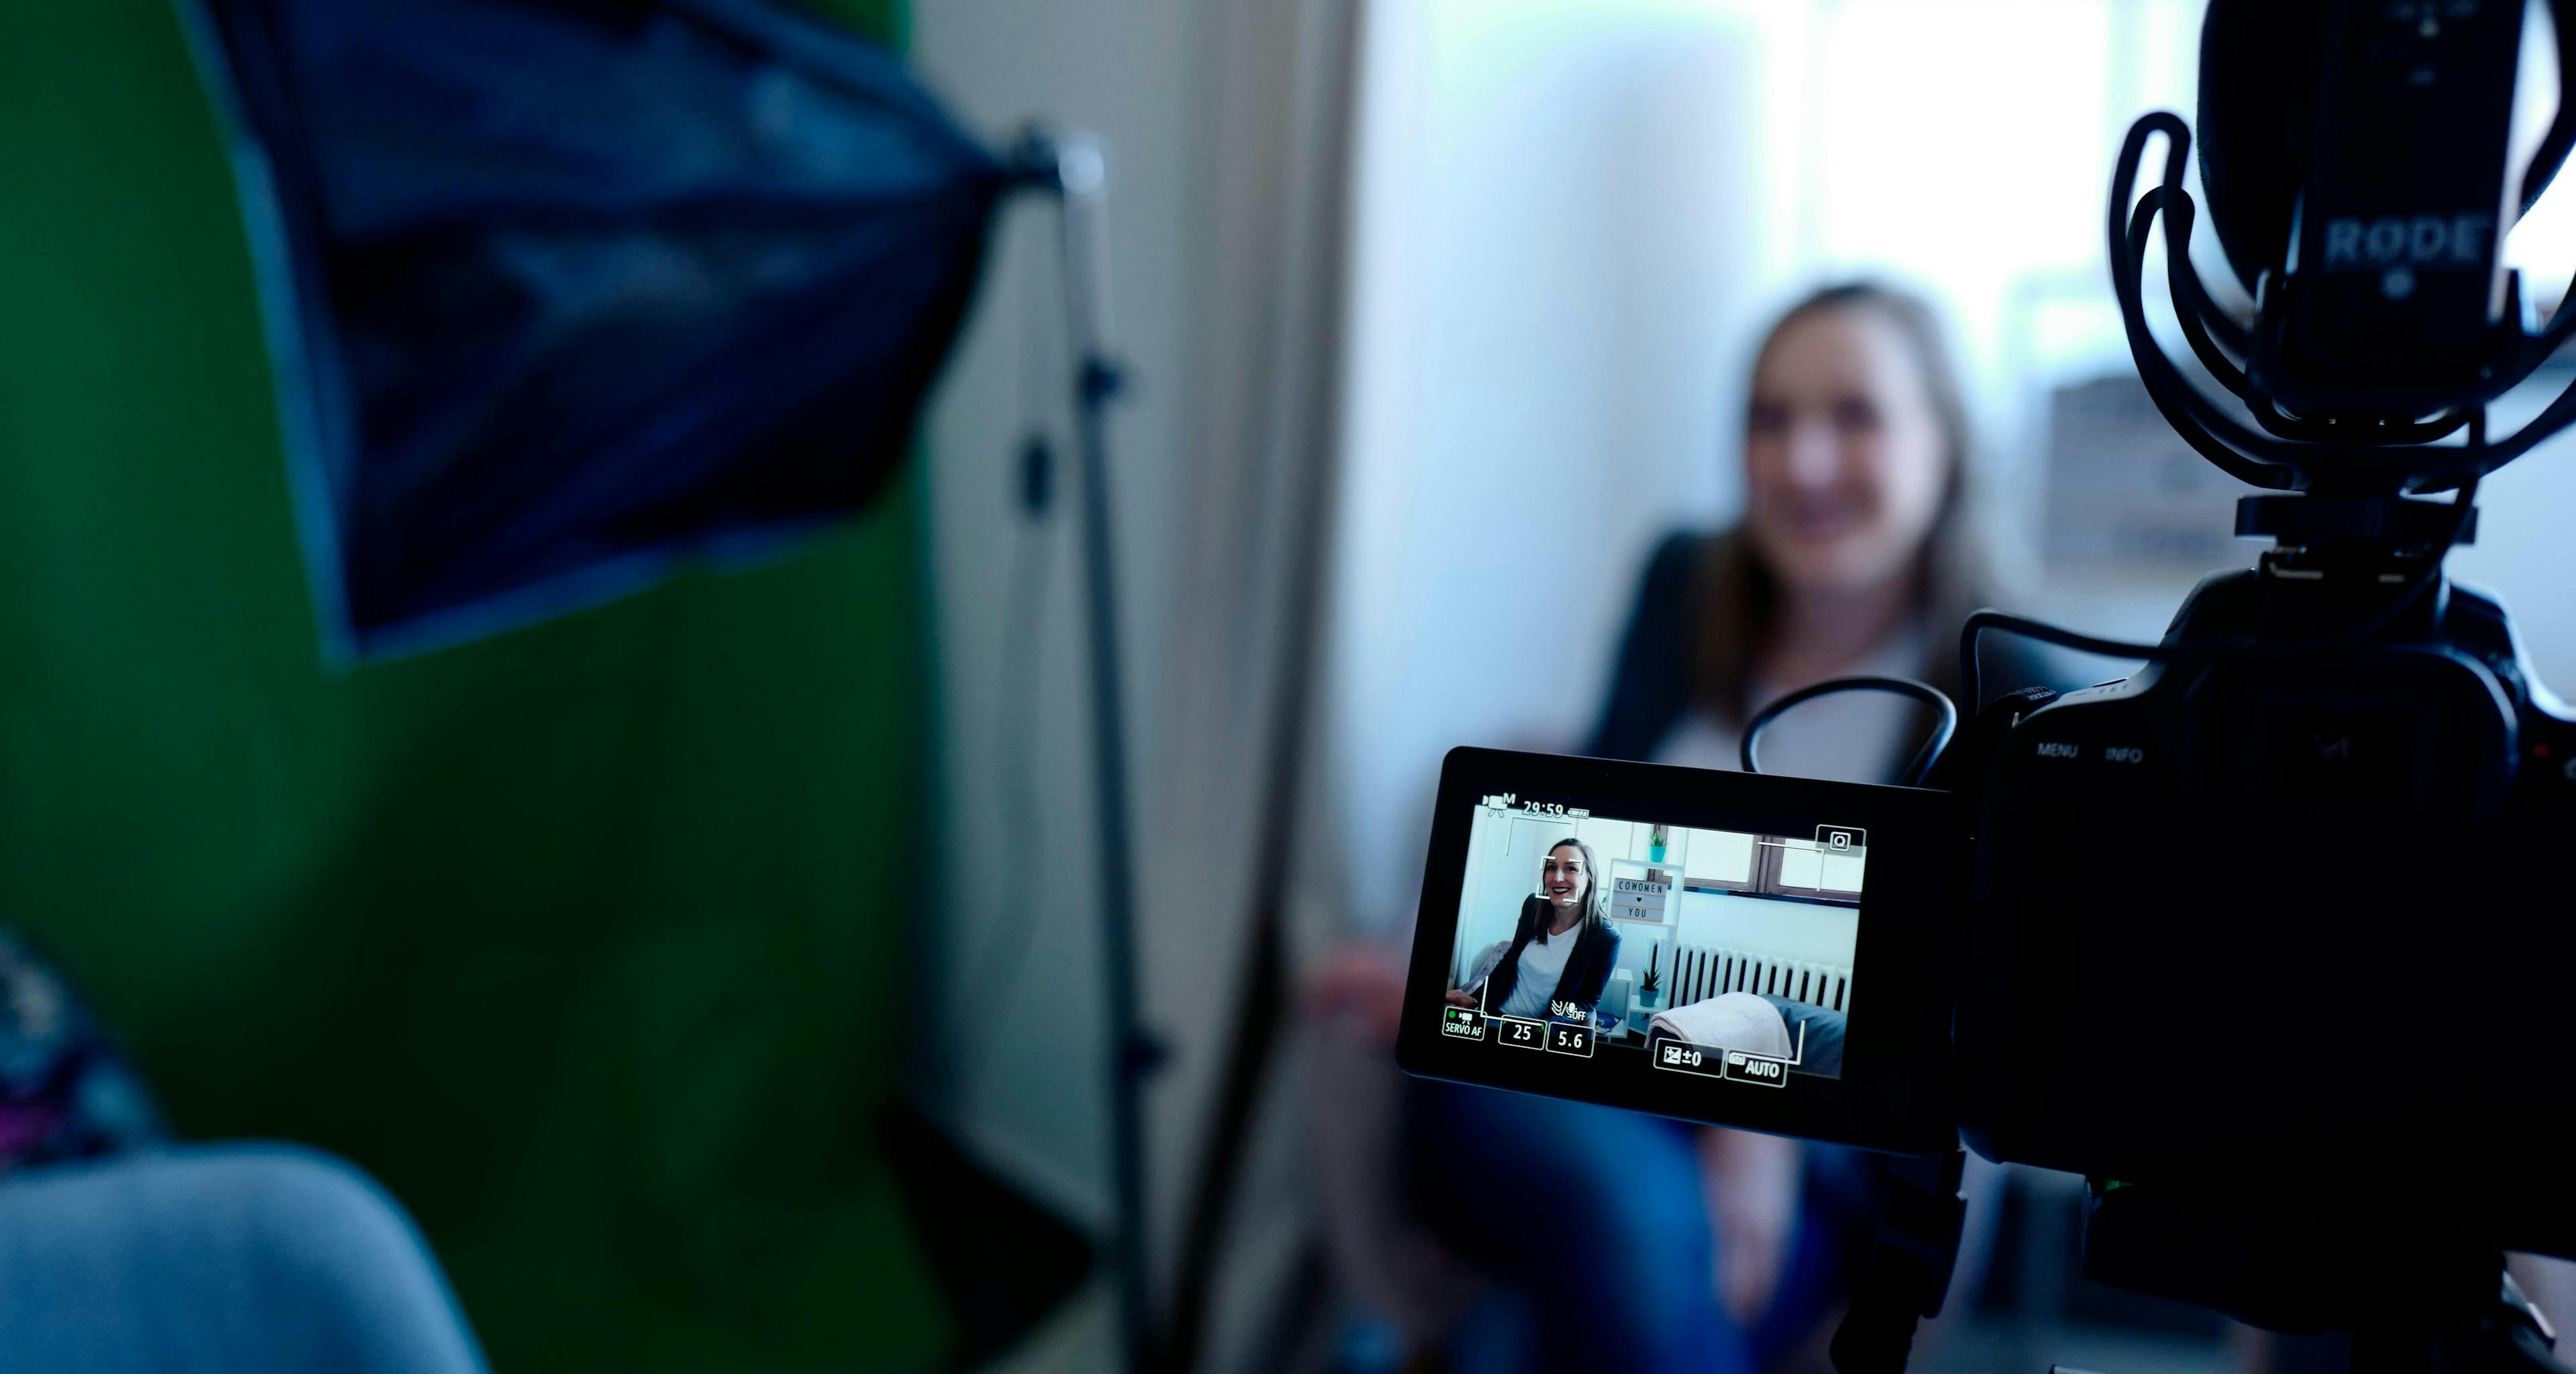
[[1732, 1021]]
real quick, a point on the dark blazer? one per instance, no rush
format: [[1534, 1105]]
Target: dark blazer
[[1650, 685], [1587, 968]]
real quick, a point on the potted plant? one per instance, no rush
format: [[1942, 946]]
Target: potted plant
[[1655, 846], [1652, 988]]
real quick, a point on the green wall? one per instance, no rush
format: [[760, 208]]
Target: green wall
[[588, 941]]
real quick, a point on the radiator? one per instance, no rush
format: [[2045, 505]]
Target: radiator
[[1700, 972]]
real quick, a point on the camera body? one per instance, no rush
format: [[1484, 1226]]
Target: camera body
[[2292, 921]]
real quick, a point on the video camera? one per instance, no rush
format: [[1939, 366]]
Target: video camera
[[2259, 939]]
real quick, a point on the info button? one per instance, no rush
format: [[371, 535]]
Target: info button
[[1756, 1068]]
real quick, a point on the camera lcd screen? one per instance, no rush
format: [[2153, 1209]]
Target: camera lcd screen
[[1756, 951]]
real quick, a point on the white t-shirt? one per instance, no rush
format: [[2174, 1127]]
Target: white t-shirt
[[1542, 964], [1846, 737]]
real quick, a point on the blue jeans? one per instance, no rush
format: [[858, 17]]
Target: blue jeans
[[1594, 1223], [215, 1259]]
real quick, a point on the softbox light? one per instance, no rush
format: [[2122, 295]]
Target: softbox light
[[563, 293]]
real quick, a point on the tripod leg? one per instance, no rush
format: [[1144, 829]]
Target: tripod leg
[[1909, 1265]]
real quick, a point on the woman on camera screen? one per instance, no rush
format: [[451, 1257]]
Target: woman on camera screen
[[1562, 951]]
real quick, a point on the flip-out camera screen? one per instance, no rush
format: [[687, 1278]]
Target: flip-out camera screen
[[1687, 942]]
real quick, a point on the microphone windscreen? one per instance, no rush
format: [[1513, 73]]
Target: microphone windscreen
[[2259, 64]]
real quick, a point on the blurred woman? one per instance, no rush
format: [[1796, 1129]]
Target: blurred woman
[[1855, 555], [1857, 552]]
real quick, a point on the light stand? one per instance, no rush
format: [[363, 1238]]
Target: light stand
[[1074, 169]]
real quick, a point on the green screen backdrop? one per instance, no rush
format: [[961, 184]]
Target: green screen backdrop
[[588, 941]]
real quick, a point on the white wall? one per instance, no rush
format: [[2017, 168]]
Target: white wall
[[1221, 121], [1557, 240], [1015, 1005], [1809, 932], [2523, 555], [1499, 874]]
